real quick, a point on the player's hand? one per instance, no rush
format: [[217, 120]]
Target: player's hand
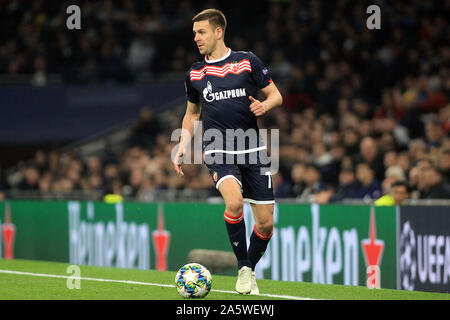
[[178, 161], [257, 107]]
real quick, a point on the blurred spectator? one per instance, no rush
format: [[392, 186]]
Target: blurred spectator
[[145, 130], [135, 180], [431, 184], [40, 161], [39, 78], [298, 183], [140, 54], [348, 185], [312, 180], [369, 186], [322, 193], [390, 159], [444, 165], [75, 178], [350, 140], [93, 182], [113, 192], [444, 117], [3, 183], [398, 193], [435, 97], [403, 162], [61, 186], [53, 162], [280, 66], [417, 150], [434, 133], [389, 107], [111, 173], [94, 166], [281, 186], [392, 175], [30, 180], [45, 185], [369, 154], [320, 155]]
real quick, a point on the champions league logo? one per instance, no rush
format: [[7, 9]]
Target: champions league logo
[[424, 256], [408, 257]]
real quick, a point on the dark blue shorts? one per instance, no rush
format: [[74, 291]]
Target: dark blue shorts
[[253, 176]]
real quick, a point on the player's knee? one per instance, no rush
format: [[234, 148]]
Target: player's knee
[[234, 207], [265, 227]]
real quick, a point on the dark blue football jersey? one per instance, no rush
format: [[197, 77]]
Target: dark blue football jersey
[[223, 88]]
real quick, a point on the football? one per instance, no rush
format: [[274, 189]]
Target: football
[[193, 281]]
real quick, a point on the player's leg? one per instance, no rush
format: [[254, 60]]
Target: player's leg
[[260, 237], [262, 232], [227, 180], [258, 191], [230, 190], [234, 219]]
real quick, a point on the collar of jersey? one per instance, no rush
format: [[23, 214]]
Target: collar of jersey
[[220, 59]]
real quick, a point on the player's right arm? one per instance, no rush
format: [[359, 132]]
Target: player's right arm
[[192, 114]]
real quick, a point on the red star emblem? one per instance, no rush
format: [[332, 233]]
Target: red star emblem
[[372, 247]]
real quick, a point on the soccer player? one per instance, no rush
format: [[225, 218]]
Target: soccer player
[[221, 92]]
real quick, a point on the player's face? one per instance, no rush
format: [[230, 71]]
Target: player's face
[[204, 36]]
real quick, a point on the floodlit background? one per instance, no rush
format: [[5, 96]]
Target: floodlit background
[[89, 112]]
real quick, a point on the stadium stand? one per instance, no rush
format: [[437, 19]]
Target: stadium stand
[[362, 108]]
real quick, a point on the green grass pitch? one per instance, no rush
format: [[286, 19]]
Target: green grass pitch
[[24, 279]]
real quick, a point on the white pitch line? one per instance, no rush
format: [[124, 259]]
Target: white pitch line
[[46, 275]]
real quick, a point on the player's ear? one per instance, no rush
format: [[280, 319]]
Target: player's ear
[[219, 33]]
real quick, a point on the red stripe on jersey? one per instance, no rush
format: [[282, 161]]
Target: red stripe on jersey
[[225, 66], [223, 72], [220, 75], [233, 68]]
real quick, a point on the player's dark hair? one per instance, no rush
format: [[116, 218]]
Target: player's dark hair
[[215, 17]]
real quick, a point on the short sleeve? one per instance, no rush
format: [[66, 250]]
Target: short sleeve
[[191, 93], [260, 73]]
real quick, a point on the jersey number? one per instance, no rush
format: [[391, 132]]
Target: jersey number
[[269, 176]]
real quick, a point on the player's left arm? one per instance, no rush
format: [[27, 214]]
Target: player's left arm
[[273, 100]]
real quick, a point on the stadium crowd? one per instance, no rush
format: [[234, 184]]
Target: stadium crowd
[[363, 109]]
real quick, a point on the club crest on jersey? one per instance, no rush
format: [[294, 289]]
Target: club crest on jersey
[[215, 176], [210, 96], [234, 66]]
